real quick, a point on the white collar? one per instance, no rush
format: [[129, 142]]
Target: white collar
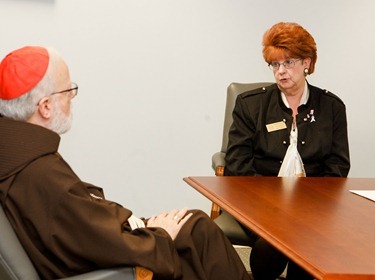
[[305, 96]]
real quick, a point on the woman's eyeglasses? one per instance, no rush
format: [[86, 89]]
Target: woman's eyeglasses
[[288, 64]]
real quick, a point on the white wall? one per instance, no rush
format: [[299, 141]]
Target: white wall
[[153, 76]]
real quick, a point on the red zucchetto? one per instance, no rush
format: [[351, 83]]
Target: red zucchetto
[[22, 70]]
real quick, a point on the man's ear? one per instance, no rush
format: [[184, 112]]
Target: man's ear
[[45, 107]]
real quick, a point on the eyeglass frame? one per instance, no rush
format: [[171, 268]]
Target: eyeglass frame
[[286, 66], [74, 89]]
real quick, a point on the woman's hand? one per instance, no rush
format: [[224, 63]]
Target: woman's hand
[[171, 221]]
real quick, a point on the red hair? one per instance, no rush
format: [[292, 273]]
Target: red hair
[[290, 40]]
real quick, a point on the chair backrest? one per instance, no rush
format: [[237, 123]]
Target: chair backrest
[[233, 90], [15, 264], [14, 261], [218, 159]]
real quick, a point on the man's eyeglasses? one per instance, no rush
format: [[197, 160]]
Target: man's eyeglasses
[[288, 64], [72, 92]]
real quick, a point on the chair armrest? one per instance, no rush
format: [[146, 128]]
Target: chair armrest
[[218, 163], [215, 211], [142, 273], [117, 273]]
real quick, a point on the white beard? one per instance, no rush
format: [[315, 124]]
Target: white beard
[[61, 123]]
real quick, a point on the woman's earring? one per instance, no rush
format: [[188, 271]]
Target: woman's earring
[[306, 71]]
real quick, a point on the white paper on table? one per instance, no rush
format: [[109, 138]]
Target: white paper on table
[[367, 194]]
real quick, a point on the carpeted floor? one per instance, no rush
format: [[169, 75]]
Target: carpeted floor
[[244, 253]]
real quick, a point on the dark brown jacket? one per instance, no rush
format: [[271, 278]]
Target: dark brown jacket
[[67, 227], [62, 222]]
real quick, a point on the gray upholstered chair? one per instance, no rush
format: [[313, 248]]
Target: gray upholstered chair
[[16, 265], [226, 222]]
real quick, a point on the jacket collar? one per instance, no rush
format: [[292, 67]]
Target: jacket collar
[[21, 143]]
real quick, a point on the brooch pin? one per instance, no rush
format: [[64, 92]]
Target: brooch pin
[[312, 115]]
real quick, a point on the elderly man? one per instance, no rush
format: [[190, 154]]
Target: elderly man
[[67, 226]]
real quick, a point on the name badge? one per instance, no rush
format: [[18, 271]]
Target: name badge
[[276, 126]]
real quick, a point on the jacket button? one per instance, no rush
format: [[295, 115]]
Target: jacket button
[[305, 119], [284, 120], [303, 142], [284, 142]]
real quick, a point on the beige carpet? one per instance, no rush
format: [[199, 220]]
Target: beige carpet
[[244, 253]]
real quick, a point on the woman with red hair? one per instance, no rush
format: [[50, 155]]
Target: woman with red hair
[[290, 128]]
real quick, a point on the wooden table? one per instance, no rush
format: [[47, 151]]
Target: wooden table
[[316, 222]]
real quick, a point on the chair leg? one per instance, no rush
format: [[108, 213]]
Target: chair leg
[[215, 211]]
